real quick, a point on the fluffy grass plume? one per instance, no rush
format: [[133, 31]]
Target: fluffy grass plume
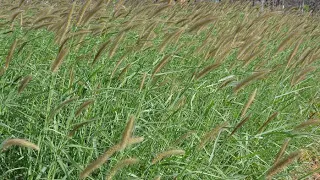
[[298, 78], [99, 161], [209, 136], [127, 133], [115, 44], [207, 69], [68, 23], [163, 62], [183, 137], [240, 124], [142, 81], [78, 126], [100, 51], [274, 115], [250, 101], [18, 142], [63, 104], [165, 154], [280, 165], [10, 53], [83, 106], [201, 23], [248, 80], [24, 83], [59, 59], [82, 11], [294, 52], [310, 122], [282, 150], [121, 164], [135, 140]]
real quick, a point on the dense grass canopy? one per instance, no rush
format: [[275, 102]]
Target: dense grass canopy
[[142, 90]]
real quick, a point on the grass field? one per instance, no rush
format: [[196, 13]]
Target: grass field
[[157, 91]]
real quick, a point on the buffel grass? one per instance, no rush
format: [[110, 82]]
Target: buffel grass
[[193, 90]]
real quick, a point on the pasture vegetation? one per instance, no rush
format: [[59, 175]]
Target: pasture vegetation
[[142, 90]]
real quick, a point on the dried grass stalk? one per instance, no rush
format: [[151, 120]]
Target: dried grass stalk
[[296, 79], [100, 51], [207, 70], [115, 44], [135, 140], [142, 81], [201, 23], [24, 82], [82, 11], [183, 137]]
